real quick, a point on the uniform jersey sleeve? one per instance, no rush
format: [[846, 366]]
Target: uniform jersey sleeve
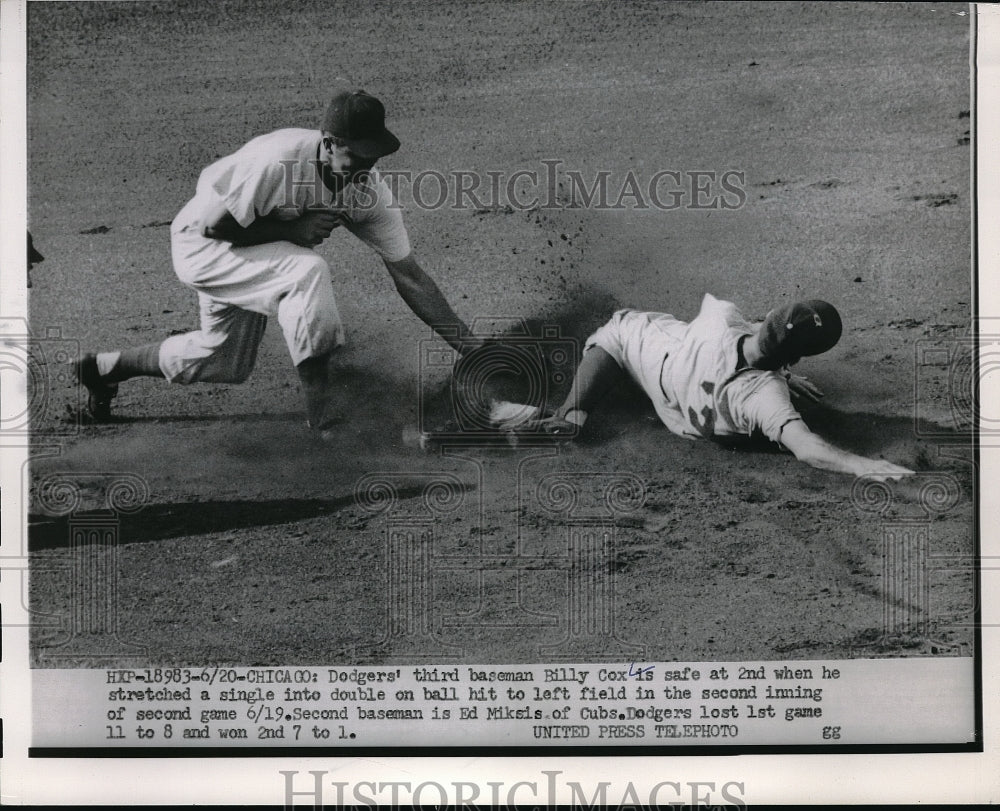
[[762, 403], [378, 222], [249, 185]]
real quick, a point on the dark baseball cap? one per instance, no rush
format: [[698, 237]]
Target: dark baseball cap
[[798, 330], [358, 119]]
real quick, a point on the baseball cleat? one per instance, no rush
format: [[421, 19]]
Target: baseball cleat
[[99, 393]]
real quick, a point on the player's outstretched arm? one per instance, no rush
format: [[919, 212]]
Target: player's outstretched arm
[[423, 296], [817, 452]]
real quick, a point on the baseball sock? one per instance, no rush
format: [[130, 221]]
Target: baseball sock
[[139, 361], [314, 374]]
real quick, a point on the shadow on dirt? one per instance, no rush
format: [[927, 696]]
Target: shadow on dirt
[[159, 522], [125, 419], [919, 445]]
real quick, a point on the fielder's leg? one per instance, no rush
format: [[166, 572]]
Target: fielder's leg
[[223, 350], [277, 279], [310, 321], [101, 373], [316, 377], [238, 288]]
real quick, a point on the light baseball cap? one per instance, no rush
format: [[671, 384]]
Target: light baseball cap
[[358, 119], [800, 329]]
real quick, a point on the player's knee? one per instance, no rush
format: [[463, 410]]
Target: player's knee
[[608, 336], [309, 269], [311, 322], [329, 335], [209, 359], [612, 324], [215, 370]]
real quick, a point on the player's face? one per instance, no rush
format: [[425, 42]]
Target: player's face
[[344, 163], [782, 358]]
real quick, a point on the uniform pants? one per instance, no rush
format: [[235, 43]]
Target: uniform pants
[[238, 289]]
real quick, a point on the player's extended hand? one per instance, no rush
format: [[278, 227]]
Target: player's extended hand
[[801, 387], [315, 225], [880, 470]]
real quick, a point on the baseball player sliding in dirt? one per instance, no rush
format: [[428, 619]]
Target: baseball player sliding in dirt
[[717, 376], [245, 244]]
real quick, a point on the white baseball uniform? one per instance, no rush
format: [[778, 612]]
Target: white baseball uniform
[[239, 287], [695, 372]]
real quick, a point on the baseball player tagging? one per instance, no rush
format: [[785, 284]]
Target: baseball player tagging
[[245, 245]]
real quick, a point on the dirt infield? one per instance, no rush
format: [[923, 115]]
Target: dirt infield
[[244, 542]]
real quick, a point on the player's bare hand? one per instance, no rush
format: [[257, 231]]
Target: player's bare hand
[[315, 225], [803, 388], [880, 470]]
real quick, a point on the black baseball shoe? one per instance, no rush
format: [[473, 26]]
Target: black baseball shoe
[[99, 393]]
